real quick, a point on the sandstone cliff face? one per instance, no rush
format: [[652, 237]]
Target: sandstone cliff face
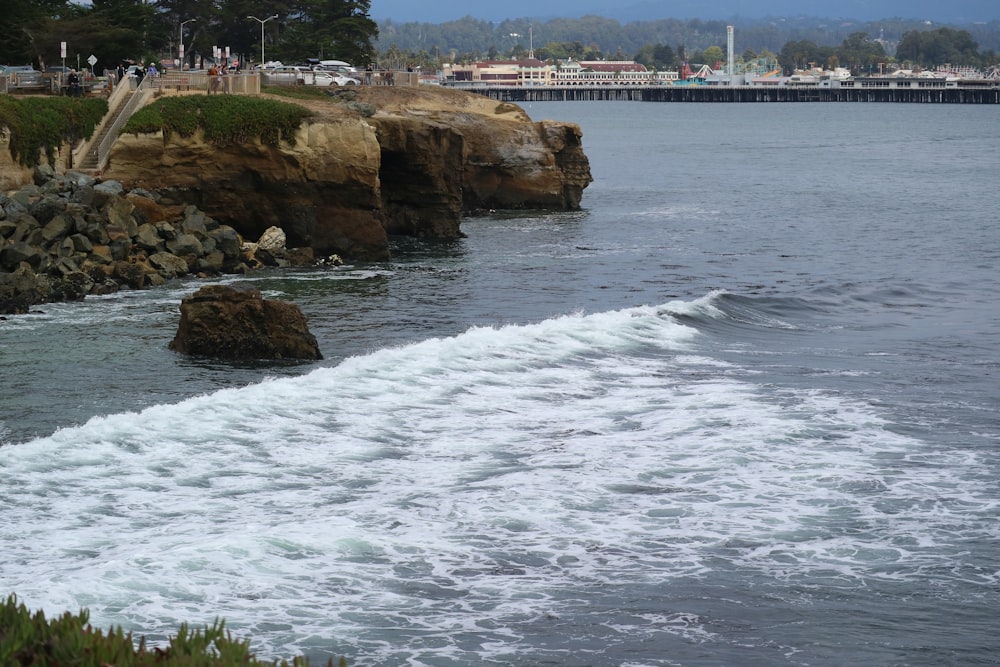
[[423, 158], [438, 164], [421, 176], [12, 175], [323, 191], [541, 165]]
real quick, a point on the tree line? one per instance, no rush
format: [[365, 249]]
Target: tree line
[[144, 30], [117, 31]]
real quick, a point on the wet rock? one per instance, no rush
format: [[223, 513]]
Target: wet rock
[[168, 265], [22, 288], [237, 323], [74, 286]]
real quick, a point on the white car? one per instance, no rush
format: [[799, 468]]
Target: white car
[[324, 78], [303, 76], [285, 75]]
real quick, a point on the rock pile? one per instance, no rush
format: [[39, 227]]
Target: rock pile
[[67, 236]]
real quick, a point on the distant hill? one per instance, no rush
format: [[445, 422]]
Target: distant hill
[[478, 37], [955, 12], [960, 12]]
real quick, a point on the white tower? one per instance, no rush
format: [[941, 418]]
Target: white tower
[[730, 55]]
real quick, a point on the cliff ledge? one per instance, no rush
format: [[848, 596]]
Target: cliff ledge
[[370, 162]]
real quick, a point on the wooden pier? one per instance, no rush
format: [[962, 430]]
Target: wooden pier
[[985, 94]]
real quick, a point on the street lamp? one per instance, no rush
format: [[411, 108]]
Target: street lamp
[[180, 42], [262, 22]]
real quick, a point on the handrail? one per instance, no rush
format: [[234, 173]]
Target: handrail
[[118, 93], [137, 100]]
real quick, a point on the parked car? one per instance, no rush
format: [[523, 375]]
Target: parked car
[[325, 78], [340, 66], [303, 76], [23, 76], [288, 75]]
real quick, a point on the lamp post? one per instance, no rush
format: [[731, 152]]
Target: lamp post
[[262, 22], [180, 42]]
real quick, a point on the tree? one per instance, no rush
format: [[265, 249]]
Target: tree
[[860, 53], [110, 30], [556, 50], [664, 57], [340, 29], [800, 55], [712, 55], [21, 40], [939, 47]]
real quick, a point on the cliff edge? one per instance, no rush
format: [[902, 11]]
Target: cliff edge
[[370, 162]]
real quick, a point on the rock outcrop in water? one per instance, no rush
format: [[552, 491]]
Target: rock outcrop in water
[[237, 323], [370, 163]]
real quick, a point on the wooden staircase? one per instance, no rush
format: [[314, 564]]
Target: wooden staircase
[[90, 161], [92, 156]]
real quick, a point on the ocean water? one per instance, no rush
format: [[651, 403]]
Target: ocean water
[[742, 409]]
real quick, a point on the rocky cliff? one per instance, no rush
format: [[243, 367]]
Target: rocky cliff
[[369, 163]]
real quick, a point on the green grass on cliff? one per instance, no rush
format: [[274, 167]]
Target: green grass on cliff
[[32, 640], [225, 119], [43, 124], [299, 92]]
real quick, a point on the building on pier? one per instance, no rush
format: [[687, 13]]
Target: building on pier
[[534, 72]]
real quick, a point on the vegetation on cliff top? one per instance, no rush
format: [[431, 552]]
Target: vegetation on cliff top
[[225, 119], [36, 124], [30, 639]]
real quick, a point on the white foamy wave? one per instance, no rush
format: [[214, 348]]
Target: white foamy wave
[[437, 501]]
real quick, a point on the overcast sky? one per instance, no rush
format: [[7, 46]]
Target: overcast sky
[[439, 11]]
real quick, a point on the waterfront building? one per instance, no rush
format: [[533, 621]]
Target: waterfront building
[[534, 72]]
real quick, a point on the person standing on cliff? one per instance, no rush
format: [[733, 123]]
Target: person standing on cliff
[[74, 83], [213, 79]]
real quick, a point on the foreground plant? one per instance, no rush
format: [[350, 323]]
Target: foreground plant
[[30, 640]]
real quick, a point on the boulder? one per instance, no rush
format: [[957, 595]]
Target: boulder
[[235, 322], [227, 241], [22, 288], [168, 265], [74, 286], [272, 239], [148, 239], [12, 256], [129, 273]]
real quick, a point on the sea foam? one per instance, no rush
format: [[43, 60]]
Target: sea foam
[[438, 496]]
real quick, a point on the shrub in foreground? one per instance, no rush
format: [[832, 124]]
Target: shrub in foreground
[[30, 640]]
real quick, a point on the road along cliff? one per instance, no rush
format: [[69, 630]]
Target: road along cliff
[[368, 163]]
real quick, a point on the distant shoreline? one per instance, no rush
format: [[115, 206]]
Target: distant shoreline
[[741, 94]]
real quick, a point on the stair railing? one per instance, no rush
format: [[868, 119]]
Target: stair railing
[[138, 99]]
